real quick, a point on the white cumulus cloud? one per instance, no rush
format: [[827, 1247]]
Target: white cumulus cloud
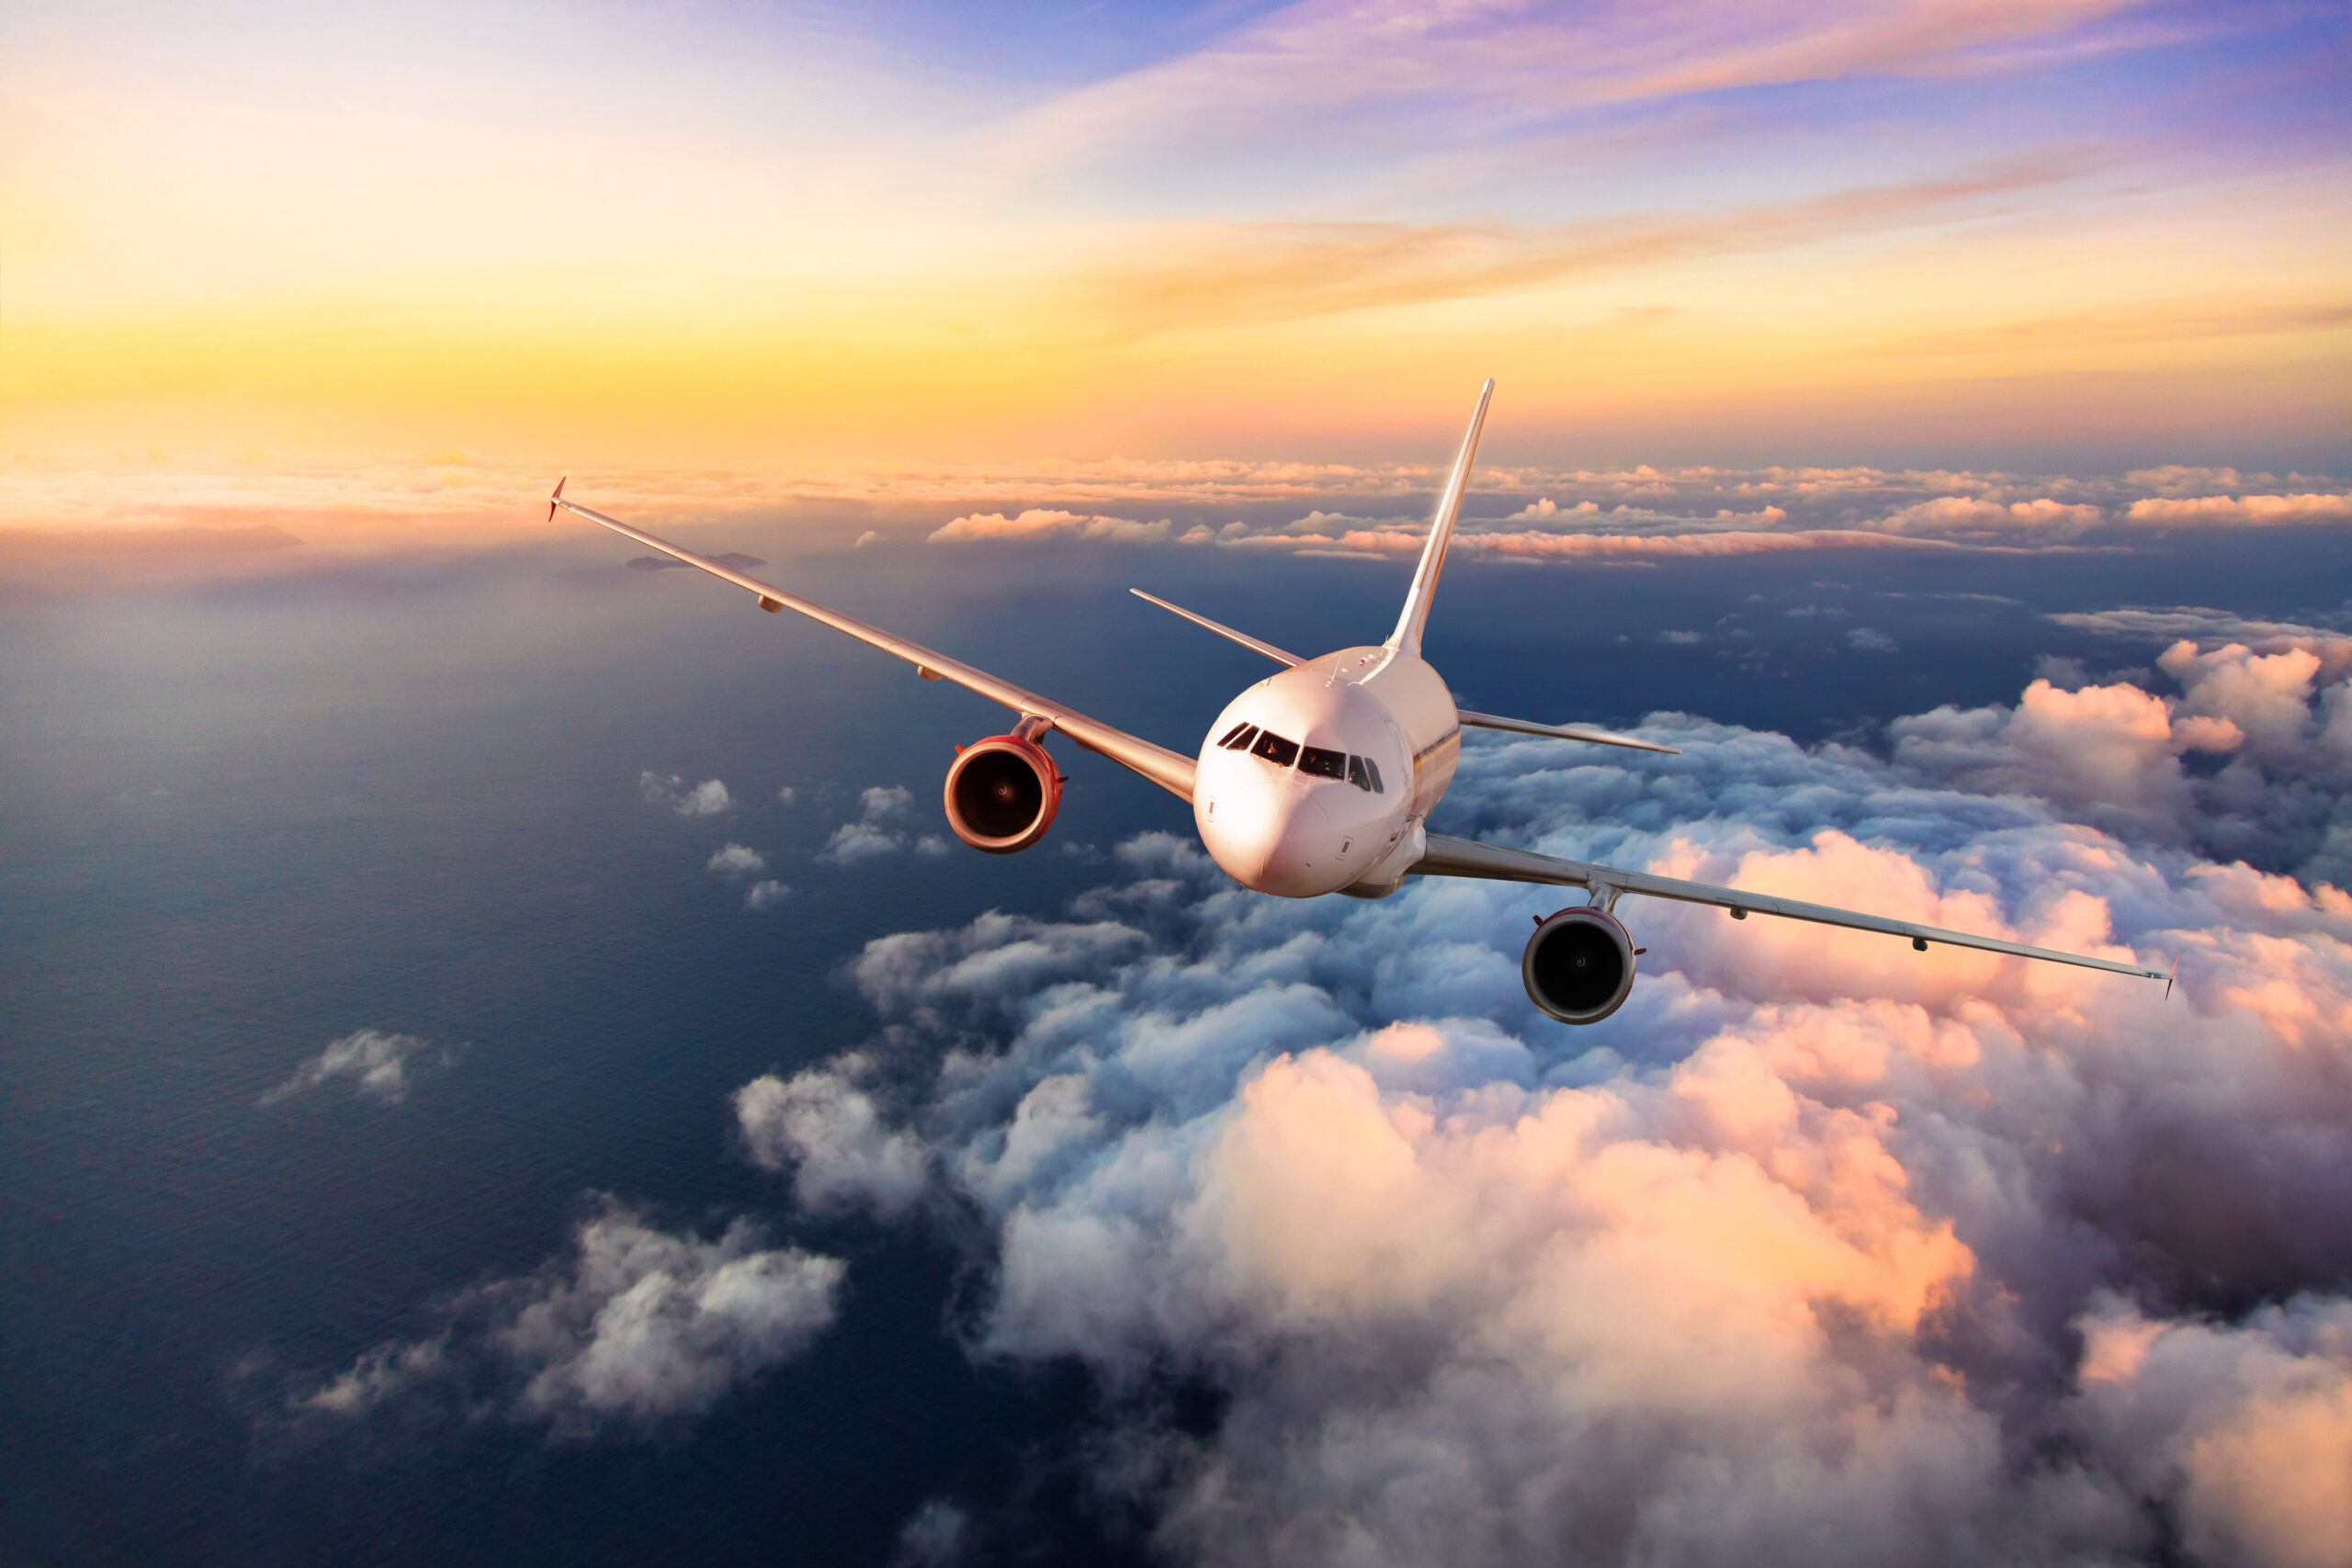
[[732, 860], [707, 798], [1816, 1249], [2117, 754], [872, 835], [638, 1325], [376, 1064], [824, 1128]]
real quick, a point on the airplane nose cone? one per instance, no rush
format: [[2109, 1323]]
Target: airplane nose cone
[[1270, 840]]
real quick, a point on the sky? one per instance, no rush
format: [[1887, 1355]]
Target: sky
[[512, 1069], [1982, 232]]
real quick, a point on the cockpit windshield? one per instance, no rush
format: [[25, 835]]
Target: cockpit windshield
[[1282, 753], [1315, 761], [1323, 764]]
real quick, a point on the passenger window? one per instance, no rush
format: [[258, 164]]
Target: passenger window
[[1374, 768], [1323, 764], [1282, 753], [1239, 735], [1357, 776]]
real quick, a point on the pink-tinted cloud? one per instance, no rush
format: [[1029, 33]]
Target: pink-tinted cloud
[[2257, 511], [1039, 523], [1814, 1238], [134, 504], [2249, 1426], [2041, 518]]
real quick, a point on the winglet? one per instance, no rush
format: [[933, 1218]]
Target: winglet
[[2171, 978], [1407, 638], [556, 499]]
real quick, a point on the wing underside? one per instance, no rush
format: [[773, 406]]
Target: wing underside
[[1165, 768], [1467, 857]]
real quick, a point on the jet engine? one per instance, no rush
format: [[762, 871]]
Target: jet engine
[[1578, 965], [1002, 792]]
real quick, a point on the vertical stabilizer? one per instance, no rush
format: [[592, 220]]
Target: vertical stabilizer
[[1407, 638]]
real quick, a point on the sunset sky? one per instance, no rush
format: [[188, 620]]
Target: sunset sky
[[500, 1061], [2067, 233]]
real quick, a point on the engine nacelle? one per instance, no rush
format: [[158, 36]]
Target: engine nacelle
[[1003, 793], [1578, 965]]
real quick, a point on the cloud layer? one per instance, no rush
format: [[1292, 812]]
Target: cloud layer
[[638, 1325], [1819, 1248], [1709, 511], [2251, 761], [1526, 512]]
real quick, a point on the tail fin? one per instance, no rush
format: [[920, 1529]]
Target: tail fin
[[1407, 638]]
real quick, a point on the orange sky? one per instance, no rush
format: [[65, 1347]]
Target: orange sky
[[1289, 237]]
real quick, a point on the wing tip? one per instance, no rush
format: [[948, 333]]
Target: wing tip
[[556, 499]]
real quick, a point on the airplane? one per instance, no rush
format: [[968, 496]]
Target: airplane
[[1321, 779]]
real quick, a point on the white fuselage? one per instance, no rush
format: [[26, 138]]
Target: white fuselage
[[1282, 817]]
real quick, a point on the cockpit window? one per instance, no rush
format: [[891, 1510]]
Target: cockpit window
[[1373, 767], [1323, 764], [1357, 776], [1282, 753], [1239, 735]]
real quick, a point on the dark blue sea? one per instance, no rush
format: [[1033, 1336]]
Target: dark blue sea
[[243, 817]]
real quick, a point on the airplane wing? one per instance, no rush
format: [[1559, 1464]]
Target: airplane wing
[[1165, 768], [1467, 857]]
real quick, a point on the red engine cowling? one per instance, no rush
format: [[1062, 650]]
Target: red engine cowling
[[1003, 793], [1578, 965]]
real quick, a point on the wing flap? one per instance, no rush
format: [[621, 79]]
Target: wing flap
[[1165, 768], [1467, 857]]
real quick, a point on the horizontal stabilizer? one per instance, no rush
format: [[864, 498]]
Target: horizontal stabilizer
[[1244, 638], [1561, 732]]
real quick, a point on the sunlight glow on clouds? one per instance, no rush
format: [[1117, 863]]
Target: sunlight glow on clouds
[[1951, 1255], [1948, 1255], [1525, 512]]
